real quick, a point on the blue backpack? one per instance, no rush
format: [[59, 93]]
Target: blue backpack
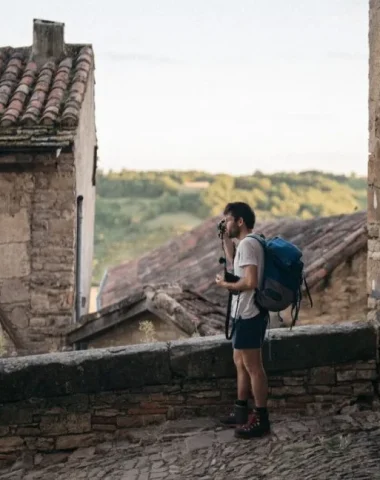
[[283, 277]]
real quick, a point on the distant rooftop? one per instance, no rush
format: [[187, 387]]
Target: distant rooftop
[[192, 258]]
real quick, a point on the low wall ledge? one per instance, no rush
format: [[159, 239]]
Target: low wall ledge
[[121, 368]]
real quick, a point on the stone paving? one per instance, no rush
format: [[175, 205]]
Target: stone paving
[[345, 446]]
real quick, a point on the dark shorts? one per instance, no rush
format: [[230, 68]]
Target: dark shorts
[[249, 333]]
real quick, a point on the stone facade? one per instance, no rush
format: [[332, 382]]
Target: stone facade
[[37, 245], [77, 399], [38, 212]]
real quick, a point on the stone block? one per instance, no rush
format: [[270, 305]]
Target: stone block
[[364, 389], [20, 317], [346, 376], [41, 444], [38, 322], [61, 182], [322, 376], [287, 391], [153, 419], [14, 290], [130, 421], [71, 442], [103, 420], [15, 228], [61, 226], [373, 245], [103, 427], [317, 389], [45, 199], [373, 201], [14, 260], [40, 302], [10, 444], [66, 423], [293, 380]]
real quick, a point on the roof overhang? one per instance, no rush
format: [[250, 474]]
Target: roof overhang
[[101, 322], [35, 138]]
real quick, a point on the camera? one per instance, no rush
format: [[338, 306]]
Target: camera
[[221, 228]]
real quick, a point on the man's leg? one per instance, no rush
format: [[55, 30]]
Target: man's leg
[[258, 425], [243, 378], [253, 364], [239, 415]]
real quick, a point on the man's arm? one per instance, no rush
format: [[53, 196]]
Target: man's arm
[[248, 261], [247, 282]]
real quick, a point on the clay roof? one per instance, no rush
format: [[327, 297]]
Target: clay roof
[[191, 259], [41, 104], [188, 310]]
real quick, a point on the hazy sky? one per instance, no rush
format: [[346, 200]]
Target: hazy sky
[[220, 85]]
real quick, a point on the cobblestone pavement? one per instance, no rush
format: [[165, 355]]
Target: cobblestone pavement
[[345, 446]]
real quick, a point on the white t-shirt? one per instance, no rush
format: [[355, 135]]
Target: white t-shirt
[[248, 252]]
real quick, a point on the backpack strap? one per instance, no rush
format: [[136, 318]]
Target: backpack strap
[[261, 239], [308, 292]]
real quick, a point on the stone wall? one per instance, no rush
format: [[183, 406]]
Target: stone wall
[[37, 251], [62, 401], [373, 275]]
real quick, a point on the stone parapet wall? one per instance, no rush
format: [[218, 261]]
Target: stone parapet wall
[[62, 401]]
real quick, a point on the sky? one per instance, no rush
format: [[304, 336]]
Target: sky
[[228, 86]]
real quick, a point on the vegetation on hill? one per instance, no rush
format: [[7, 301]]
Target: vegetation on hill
[[138, 211]]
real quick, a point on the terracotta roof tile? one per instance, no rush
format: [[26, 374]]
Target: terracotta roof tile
[[49, 96]]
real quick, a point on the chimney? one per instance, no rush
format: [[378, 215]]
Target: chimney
[[48, 40]]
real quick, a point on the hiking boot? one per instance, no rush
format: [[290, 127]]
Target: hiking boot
[[258, 425], [239, 416]]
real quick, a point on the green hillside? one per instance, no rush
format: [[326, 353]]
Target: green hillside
[[138, 211]]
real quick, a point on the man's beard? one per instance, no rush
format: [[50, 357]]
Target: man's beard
[[234, 232]]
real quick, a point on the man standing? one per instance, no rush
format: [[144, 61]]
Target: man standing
[[249, 323]]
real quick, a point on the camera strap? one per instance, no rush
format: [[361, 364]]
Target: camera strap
[[228, 316]]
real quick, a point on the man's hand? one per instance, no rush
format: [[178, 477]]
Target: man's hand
[[219, 280]]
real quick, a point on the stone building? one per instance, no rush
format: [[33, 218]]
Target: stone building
[[48, 156]]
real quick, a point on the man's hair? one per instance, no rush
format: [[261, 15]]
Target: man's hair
[[241, 210]]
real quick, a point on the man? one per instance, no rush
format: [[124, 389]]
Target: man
[[249, 323]]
